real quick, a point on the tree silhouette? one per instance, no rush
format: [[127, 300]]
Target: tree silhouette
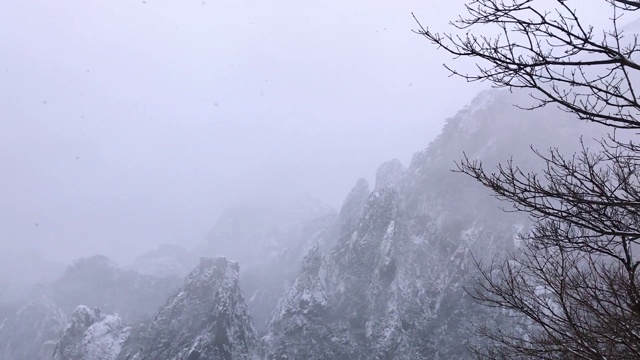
[[573, 284]]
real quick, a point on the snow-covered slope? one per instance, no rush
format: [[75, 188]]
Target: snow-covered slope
[[206, 320], [269, 240], [91, 335], [301, 325], [395, 281], [32, 331], [383, 279]]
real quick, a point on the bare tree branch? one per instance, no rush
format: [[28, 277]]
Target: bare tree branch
[[573, 288]]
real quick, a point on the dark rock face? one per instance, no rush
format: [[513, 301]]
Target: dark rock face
[[91, 335], [206, 320]]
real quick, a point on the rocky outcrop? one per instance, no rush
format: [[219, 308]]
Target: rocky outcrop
[[91, 335], [391, 286], [301, 325], [206, 320], [33, 331], [395, 281], [269, 241], [388, 174]]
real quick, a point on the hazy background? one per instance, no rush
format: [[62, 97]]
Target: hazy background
[[126, 124]]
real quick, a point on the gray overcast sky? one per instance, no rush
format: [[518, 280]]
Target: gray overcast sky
[[124, 124]]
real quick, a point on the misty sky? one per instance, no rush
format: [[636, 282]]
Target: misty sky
[[126, 124]]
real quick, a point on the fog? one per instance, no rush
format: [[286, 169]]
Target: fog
[[253, 179], [127, 124]]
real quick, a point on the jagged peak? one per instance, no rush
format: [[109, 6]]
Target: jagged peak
[[475, 116], [92, 262], [355, 200], [219, 262], [211, 269], [382, 197], [307, 295], [165, 261], [206, 319], [389, 173], [84, 316], [483, 98], [91, 335], [492, 126], [361, 187], [313, 260], [94, 259]]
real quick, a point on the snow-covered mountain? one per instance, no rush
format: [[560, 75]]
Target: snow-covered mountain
[[166, 261], [385, 278], [91, 335], [97, 282], [301, 327], [207, 319], [32, 331], [394, 284], [270, 241]]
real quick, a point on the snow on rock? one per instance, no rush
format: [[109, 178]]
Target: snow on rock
[[395, 280], [91, 335], [206, 320], [270, 240], [33, 331], [392, 285], [300, 328]]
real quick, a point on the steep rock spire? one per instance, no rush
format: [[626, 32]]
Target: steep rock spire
[[206, 320]]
